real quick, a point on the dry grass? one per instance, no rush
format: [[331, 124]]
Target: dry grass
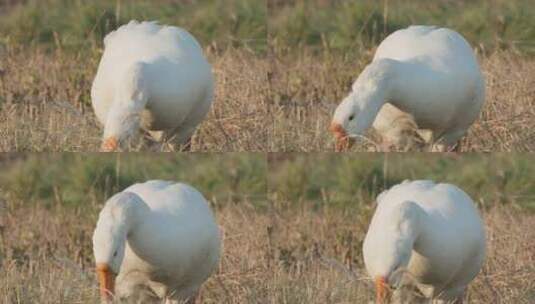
[[306, 89], [45, 102], [281, 256]]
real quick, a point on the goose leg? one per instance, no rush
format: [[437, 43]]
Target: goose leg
[[154, 140], [449, 142], [194, 299], [186, 147], [442, 147], [450, 295], [440, 301], [161, 141], [184, 139], [180, 136], [188, 301], [194, 119]]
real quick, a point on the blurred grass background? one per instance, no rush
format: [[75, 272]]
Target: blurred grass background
[[352, 181], [87, 180], [351, 27], [331, 25], [313, 180], [82, 24]]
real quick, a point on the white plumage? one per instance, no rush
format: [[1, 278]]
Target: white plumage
[[158, 236], [422, 75], [154, 77], [431, 231]]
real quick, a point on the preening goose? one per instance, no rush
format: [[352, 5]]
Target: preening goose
[[154, 77], [423, 74], [159, 237], [428, 234]]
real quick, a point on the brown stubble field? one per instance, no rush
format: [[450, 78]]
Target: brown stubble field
[[307, 87], [276, 256], [47, 102]]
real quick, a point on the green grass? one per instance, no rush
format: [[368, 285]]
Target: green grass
[[347, 27], [78, 25], [81, 179], [352, 27], [319, 179], [354, 180]]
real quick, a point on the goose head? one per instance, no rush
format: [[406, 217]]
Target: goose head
[[344, 124], [122, 124], [109, 144], [109, 240], [388, 246], [357, 111], [395, 259], [124, 116]]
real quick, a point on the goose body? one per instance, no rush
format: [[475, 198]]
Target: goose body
[[152, 77], [433, 232], [424, 74], [156, 236]]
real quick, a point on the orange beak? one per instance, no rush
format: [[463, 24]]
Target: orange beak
[[381, 289], [109, 144], [106, 279], [343, 141]]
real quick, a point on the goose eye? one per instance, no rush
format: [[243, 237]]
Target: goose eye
[[351, 117], [115, 254]]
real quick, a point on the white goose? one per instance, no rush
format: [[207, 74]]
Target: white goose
[[430, 232], [423, 74], [154, 77], [157, 236]]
